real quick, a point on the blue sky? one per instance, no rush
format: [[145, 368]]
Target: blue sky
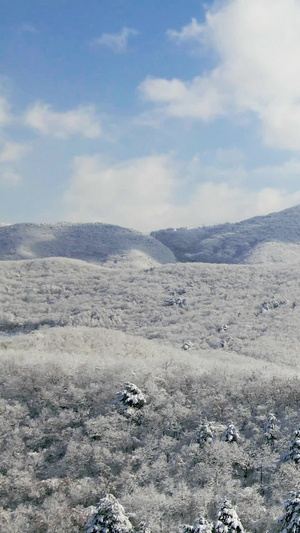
[[149, 114]]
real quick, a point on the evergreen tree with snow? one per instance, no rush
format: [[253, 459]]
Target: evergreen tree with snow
[[294, 452], [231, 434], [205, 435], [109, 517], [201, 525], [291, 519], [228, 520], [270, 429], [131, 396]]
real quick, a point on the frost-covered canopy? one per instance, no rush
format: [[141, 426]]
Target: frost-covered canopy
[[143, 528]]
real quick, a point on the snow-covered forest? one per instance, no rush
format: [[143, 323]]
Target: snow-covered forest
[[161, 398]]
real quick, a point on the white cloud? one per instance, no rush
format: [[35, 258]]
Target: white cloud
[[13, 151], [281, 123], [9, 178], [230, 157], [215, 203], [141, 193], [5, 116], [133, 193], [82, 120], [202, 98], [258, 71], [117, 42], [192, 32]]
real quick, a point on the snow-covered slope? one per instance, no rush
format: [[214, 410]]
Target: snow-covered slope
[[273, 252], [239, 243], [72, 347], [251, 310], [97, 243]]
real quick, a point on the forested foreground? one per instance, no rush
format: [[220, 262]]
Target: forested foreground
[[69, 436]]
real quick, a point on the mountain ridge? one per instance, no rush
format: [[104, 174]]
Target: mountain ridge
[[92, 242], [273, 238], [237, 243]]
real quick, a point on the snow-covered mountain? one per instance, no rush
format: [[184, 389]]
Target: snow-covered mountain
[[271, 238], [95, 243], [267, 239], [210, 347]]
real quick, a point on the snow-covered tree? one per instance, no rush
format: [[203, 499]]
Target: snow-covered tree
[[205, 435], [201, 525], [271, 427], [291, 519], [294, 452], [228, 520], [231, 434], [109, 517], [131, 396]]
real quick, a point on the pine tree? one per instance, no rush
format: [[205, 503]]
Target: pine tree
[[270, 429], [291, 518], [131, 396], [228, 520], [109, 517], [294, 453], [231, 434], [201, 525], [205, 434]]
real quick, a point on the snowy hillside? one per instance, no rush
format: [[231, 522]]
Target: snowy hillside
[[273, 252], [212, 349], [251, 310], [96, 243], [240, 242], [65, 441], [81, 344]]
